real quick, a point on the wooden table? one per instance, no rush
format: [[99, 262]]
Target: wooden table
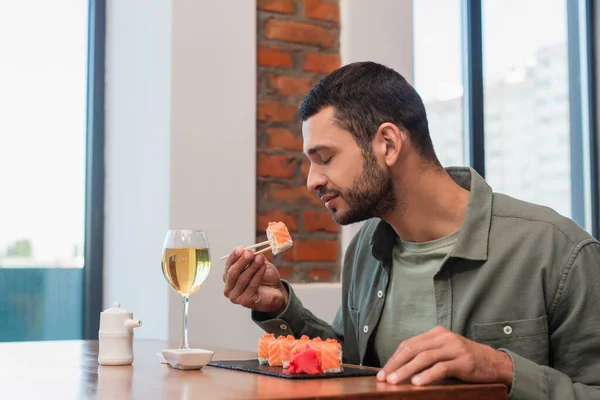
[[69, 370]]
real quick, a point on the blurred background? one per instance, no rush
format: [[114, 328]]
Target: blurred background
[[122, 119]]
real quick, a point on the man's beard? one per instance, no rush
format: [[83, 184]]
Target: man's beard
[[371, 194]]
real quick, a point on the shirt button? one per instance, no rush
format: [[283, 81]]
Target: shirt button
[[380, 294], [507, 329], [366, 328], [283, 327]]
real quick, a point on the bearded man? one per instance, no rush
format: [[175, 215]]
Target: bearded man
[[446, 278]]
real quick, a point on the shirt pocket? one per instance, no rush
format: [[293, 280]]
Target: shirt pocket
[[526, 337]]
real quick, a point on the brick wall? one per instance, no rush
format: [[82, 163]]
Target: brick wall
[[298, 44]]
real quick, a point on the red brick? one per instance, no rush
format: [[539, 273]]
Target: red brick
[[285, 272], [290, 86], [282, 138], [321, 63], [305, 168], [273, 111], [299, 32], [319, 273], [322, 10], [276, 166], [272, 56], [274, 216], [280, 6], [312, 250], [318, 221], [299, 195]]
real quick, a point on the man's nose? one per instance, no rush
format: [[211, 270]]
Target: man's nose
[[315, 180]]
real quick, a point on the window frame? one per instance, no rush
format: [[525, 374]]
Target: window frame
[[582, 91], [94, 187]]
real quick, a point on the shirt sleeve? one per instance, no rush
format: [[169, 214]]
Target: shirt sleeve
[[574, 337], [297, 320]]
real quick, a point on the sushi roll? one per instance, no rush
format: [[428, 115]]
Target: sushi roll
[[279, 237], [263, 348], [287, 346], [275, 355], [331, 356], [300, 344]]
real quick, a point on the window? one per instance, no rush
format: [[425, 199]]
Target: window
[[535, 60], [524, 69], [527, 122], [43, 165]]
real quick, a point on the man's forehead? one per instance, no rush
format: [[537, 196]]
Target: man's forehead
[[318, 139], [320, 122], [321, 130]]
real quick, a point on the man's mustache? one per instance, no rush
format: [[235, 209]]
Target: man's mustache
[[323, 192]]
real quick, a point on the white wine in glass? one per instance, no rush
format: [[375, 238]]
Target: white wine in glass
[[185, 265]]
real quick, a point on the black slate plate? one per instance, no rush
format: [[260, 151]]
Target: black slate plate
[[254, 367]]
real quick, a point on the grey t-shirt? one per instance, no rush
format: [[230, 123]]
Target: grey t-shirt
[[409, 308]]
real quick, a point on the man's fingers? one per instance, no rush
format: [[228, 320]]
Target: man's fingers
[[413, 342], [439, 371], [409, 349], [421, 362], [233, 257], [245, 277], [249, 298], [235, 270]]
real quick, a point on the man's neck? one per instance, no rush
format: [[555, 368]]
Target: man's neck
[[431, 206]]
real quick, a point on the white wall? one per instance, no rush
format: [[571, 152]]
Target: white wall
[[380, 31], [138, 68], [180, 153], [213, 151]]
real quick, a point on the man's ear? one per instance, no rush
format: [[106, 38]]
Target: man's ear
[[390, 143]]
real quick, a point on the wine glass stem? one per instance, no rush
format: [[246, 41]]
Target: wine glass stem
[[184, 339]]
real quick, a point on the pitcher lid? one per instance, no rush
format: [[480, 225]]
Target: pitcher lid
[[116, 309]]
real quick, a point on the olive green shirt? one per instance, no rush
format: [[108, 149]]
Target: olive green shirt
[[409, 308], [521, 278]]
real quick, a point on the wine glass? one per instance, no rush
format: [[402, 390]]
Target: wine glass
[[185, 265]]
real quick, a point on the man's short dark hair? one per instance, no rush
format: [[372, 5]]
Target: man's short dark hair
[[366, 94]]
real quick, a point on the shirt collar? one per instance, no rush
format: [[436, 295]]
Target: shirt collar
[[472, 242]]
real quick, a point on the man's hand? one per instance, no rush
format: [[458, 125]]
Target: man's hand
[[253, 282], [440, 353]]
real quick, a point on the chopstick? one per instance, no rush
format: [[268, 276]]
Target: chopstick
[[254, 246]]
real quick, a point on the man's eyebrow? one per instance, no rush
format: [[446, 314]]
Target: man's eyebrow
[[318, 147]]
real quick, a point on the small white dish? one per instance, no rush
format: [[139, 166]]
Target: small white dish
[[187, 358]]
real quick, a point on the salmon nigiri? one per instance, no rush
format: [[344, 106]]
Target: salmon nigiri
[[279, 237], [263, 348]]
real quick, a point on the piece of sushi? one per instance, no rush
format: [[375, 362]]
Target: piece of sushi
[[300, 344], [331, 356], [317, 345], [275, 356], [263, 348], [279, 237], [287, 345]]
